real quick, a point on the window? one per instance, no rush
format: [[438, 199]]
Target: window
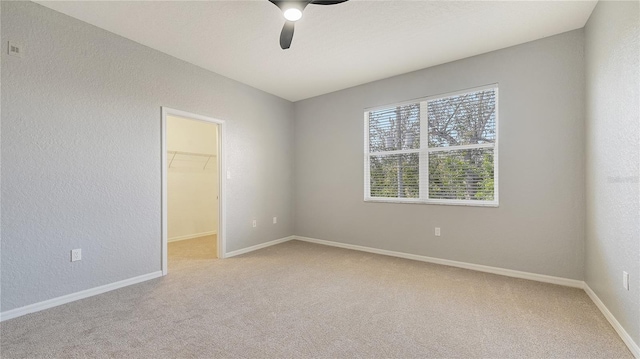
[[440, 149]]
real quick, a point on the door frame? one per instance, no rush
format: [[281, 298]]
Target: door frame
[[221, 237]]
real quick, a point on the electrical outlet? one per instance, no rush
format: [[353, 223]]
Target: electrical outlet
[[228, 174], [76, 255], [625, 280], [437, 231], [15, 49], [255, 223], [275, 220]]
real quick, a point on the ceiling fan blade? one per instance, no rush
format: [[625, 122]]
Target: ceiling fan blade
[[286, 36], [327, 2]]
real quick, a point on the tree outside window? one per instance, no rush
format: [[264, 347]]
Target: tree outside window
[[454, 161]]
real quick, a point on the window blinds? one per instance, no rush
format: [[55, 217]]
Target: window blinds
[[438, 150]]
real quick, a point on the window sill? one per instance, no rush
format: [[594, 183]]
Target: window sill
[[494, 204]]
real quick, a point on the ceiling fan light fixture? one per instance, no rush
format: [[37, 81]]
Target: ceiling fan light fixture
[[292, 14]]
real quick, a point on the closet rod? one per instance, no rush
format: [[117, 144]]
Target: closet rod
[[190, 153]]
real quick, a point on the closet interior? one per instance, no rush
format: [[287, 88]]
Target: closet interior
[[192, 189]]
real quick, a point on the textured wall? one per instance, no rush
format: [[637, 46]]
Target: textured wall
[[192, 136], [612, 46], [539, 226], [81, 154], [192, 204]]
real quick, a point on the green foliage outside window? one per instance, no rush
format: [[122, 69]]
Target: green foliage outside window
[[460, 152]]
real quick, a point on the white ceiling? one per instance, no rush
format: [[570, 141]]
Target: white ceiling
[[334, 47]]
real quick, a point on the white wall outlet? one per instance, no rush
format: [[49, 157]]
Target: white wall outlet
[[437, 231], [275, 220], [16, 49], [625, 280], [228, 174], [255, 223], [76, 255]]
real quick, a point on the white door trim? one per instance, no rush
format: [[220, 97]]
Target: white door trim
[[222, 242]]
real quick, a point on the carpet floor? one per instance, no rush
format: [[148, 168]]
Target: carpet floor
[[192, 249], [301, 300]]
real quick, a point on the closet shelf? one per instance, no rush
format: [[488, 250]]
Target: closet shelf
[[206, 157]]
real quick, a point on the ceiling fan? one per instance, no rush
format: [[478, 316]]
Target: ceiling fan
[[292, 11]]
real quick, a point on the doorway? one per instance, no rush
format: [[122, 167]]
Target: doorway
[[192, 188]]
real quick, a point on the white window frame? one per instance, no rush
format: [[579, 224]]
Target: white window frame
[[425, 151]]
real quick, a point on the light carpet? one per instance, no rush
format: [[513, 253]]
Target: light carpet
[[204, 247], [302, 300]]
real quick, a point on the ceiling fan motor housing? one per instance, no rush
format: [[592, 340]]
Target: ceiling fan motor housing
[[290, 14]]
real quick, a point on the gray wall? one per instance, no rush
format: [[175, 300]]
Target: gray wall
[[83, 96], [612, 41], [81, 154], [539, 226]]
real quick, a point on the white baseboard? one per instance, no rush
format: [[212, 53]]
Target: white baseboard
[[50, 303], [626, 338], [258, 246], [477, 267], [191, 236]]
